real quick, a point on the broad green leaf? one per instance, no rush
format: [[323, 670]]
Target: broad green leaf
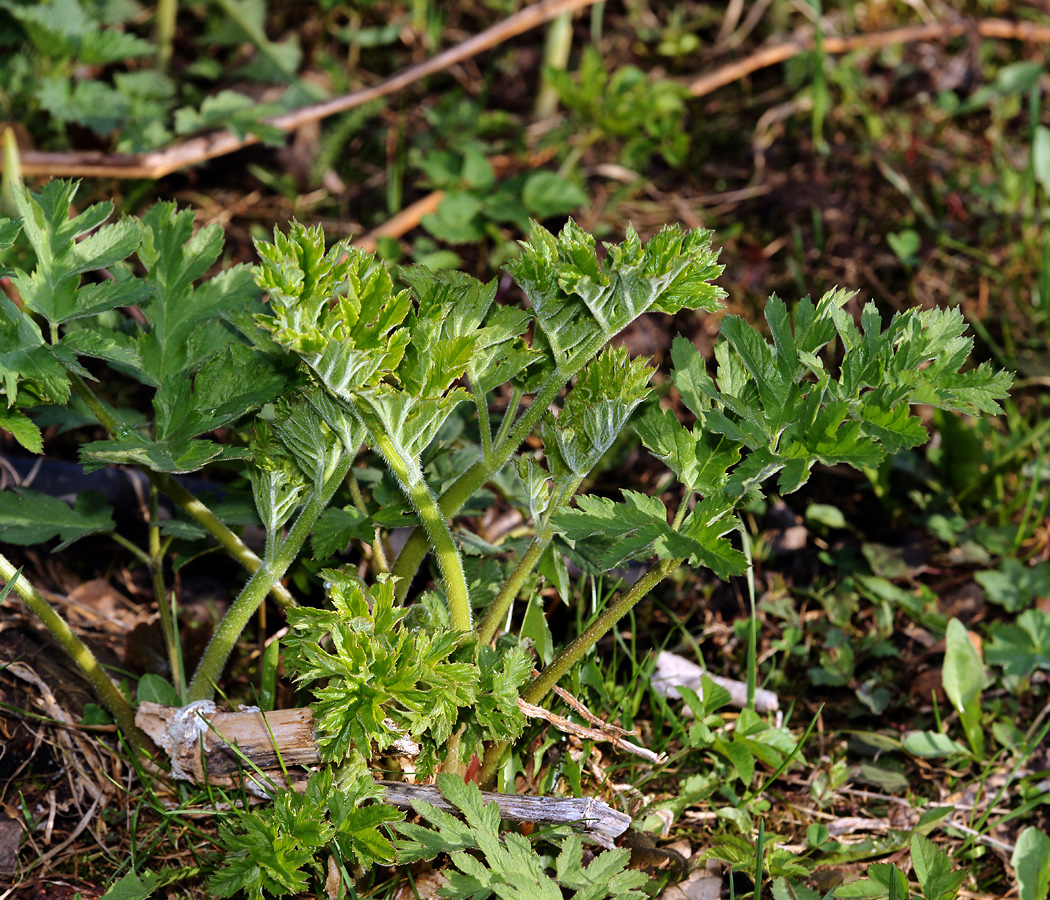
[[119, 349], [893, 881], [465, 321], [963, 677], [351, 345], [135, 886], [546, 194], [509, 867], [932, 744], [1031, 862], [625, 529], [405, 422], [337, 527], [155, 689], [670, 442], [277, 486], [9, 230], [230, 385], [741, 758], [315, 448], [690, 376], [1014, 585], [536, 480], [702, 538], [580, 302], [789, 889], [184, 321], [379, 680], [864, 889], [21, 426], [595, 411], [757, 358], [535, 629], [1023, 647], [934, 870], [30, 517], [177, 455]]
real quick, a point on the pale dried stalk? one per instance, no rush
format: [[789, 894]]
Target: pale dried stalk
[[158, 163]]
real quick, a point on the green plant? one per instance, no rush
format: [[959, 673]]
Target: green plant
[[85, 71], [625, 107], [478, 203], [1031, 860], [340, 357], [933, 871]]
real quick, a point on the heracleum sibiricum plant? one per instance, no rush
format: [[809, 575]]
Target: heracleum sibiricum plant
[[316, 359]]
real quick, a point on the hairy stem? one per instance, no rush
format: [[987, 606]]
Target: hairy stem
[[529, 560], [221, 645], [168, 623], [512, 587], [79, 652], [426, 505], [464, 487], [379, 554], [189, 504], [575, 652], [484, 425]]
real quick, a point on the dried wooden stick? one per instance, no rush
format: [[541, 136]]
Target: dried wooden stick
[[158, 163], [209, 746], [402, 223], [1002, 29], [596, 819], [594, 734]]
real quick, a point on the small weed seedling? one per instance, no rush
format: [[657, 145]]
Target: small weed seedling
[[316, 354]]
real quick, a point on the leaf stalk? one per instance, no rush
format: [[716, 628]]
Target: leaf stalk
[[189, 504], [79, 652], [221, 645]]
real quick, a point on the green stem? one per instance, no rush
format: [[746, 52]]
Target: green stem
[[139, 554], [508, 416], [572, 654], [434, 522], [484, 425], [379, 553], [164, 35], [555, 56], [221, 645], [167, 620], [189, 504], [512, 587], [79, 652], [464, 487]]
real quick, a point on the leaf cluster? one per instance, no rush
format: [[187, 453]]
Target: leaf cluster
[[201, 374], [273, 851], [377, 680], [775, 408], [647, 116]]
